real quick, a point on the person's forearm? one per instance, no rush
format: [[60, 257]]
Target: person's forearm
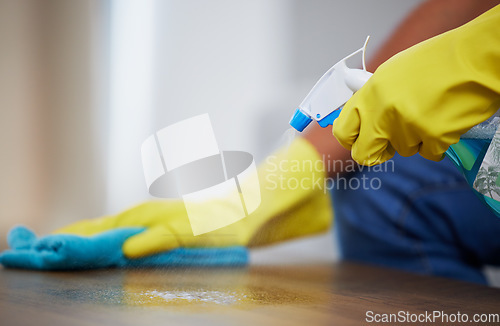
[[429, 19]]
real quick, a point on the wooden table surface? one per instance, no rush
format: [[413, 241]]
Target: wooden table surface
[[339, 294]]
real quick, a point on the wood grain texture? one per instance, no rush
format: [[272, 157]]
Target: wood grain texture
[[262, 295]]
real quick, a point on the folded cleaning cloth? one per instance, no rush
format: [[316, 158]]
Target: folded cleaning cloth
[[71, 252]]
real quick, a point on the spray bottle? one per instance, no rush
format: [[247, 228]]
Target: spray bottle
[[327, 98]]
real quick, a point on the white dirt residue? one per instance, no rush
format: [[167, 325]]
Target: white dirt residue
[[214, 297]]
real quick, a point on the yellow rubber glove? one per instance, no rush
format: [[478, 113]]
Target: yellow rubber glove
[[284, 213], [424, 98]]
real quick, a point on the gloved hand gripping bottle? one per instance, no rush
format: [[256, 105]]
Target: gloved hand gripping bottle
[[336, 87], [424, 98]]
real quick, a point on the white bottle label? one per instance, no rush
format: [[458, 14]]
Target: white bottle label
[[487, 180]]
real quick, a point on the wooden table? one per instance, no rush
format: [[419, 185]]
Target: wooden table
[[338, 294]]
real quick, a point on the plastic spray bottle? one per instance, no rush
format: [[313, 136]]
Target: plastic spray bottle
[[327, 98]]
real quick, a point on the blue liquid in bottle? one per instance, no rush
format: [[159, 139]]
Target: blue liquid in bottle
[[467, 155]]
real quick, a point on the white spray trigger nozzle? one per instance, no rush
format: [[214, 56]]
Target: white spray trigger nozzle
[[331, 92]]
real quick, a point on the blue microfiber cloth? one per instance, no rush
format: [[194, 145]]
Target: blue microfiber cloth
[[104, 250]]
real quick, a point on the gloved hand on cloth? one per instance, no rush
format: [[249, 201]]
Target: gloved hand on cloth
[[159, 233], [424, 98]]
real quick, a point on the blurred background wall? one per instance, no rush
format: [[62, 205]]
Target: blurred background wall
[[49, 146], [83, 83]]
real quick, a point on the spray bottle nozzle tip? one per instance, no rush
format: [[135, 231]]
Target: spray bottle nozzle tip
[[300, 120]]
